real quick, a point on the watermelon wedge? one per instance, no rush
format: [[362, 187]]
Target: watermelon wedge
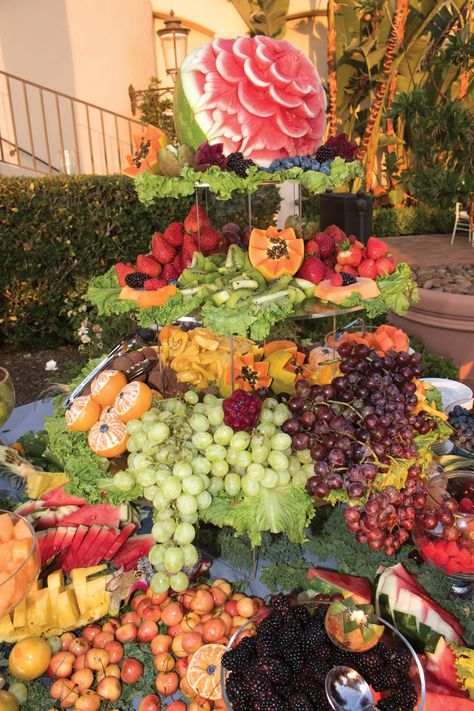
[[104, 540], [85, 552], [28, 507], [68, 560], [447, 702], [58, 497], [54, 540], [329, 582], [102, 514], [135, 548], [400, 599], [51, 517], [440, 663], [125, 533]]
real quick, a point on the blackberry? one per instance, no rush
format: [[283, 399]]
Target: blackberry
[[238, 658], [264, 646], [388, 704], [317, 696], [316, 670], [290, 632], [369, 665], [386, 678], [347, 279], [319, 616], [301, 613], [259, 686], [404, 694], [299, 702], [400, 659], [281, 603], [236, 690], [311, 638], [272, 702], [279, 674], [295, 658], [236, 163], [324, 153], [136, 280], [271, 625]]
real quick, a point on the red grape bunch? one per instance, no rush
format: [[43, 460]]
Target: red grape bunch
[[355, 427]]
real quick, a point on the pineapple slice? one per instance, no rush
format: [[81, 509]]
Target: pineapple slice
[[19, 614], [67, 608]]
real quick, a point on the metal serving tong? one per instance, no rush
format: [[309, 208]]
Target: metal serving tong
[[351, 324], [141, 337]]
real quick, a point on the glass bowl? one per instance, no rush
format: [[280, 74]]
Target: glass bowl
[[454, 557], [455, 437], [19, 560], [7, 396], [391, 638]]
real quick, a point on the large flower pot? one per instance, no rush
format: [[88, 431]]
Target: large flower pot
[[444, 322]]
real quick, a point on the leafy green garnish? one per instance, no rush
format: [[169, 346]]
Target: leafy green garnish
[[397, 292], [224, 183], [433, 396], [284, 509], [173, 309], [104, 292], [464, 667], [79, 462], [145, 684], [38, 694], [253, 321]]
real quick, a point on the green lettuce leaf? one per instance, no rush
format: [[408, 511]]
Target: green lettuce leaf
[[104, 293], [224, 183], [169, 312], [433, 395], [253, 321], [284, 509], [82, 466], [464, 667], [399, 289]]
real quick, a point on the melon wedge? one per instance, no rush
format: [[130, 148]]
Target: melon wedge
[[365, 287], [329, 582]]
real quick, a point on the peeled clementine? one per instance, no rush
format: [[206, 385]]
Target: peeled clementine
[[83, 413], [106, 386]]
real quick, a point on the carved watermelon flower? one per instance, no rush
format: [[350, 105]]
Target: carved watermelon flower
[[260, 96]]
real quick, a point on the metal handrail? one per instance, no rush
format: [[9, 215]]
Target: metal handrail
[[41, 123]]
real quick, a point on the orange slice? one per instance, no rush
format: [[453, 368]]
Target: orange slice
[[106, 386], [204, 671], [133, 400], [82, 414], [108, 438]]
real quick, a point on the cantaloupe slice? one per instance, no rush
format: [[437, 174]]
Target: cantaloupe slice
[[21, 531], [6, 528], [147, 299], [367, 288]]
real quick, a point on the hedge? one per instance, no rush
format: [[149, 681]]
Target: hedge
[[57, 232]]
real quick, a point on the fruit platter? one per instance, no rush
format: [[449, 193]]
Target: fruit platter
[[202, 436]]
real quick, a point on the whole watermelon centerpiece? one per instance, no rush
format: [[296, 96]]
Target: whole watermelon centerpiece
[[260, 96]]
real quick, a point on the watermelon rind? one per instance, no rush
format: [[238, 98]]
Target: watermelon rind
[[187, 128], [329, 582], [134, 549]]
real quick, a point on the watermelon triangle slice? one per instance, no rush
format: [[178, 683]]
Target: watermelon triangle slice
[[58, 497], [125, 533], [135, 548], [68, 560], [102, 514], [329, 582], [85, 554]]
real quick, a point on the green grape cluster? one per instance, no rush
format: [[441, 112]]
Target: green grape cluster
[[182, 453]]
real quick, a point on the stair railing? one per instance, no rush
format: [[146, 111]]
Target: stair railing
[[47, 131]]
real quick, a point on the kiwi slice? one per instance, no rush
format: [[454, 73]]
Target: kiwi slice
[[239, 298]]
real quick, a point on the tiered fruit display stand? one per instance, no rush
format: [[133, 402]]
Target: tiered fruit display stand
[[201, 430]]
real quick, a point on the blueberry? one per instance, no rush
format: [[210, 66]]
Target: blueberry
[[286, 163]]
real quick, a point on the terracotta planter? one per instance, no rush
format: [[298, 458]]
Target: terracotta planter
[[445, 324]]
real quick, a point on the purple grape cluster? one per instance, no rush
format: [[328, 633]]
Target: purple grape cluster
[[354, 427]]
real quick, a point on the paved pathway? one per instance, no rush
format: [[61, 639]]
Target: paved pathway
[[431, 250]]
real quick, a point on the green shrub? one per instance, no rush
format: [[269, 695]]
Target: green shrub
[[416, 220], [58, 232]]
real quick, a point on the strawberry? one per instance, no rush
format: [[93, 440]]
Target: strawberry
[[367, 268], [328, 272], [353, 240], [178, 262], [349, 270], [152, 284], [376, 248], [196, 220], [189, 247], [326, 244], [161, 249], [148, 264], [336, 233], [312, 269], [385, 265], [349, 255], [208, 239], [336, 280], [169, 273], [174, 234], [122, 270], [312, 249]]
